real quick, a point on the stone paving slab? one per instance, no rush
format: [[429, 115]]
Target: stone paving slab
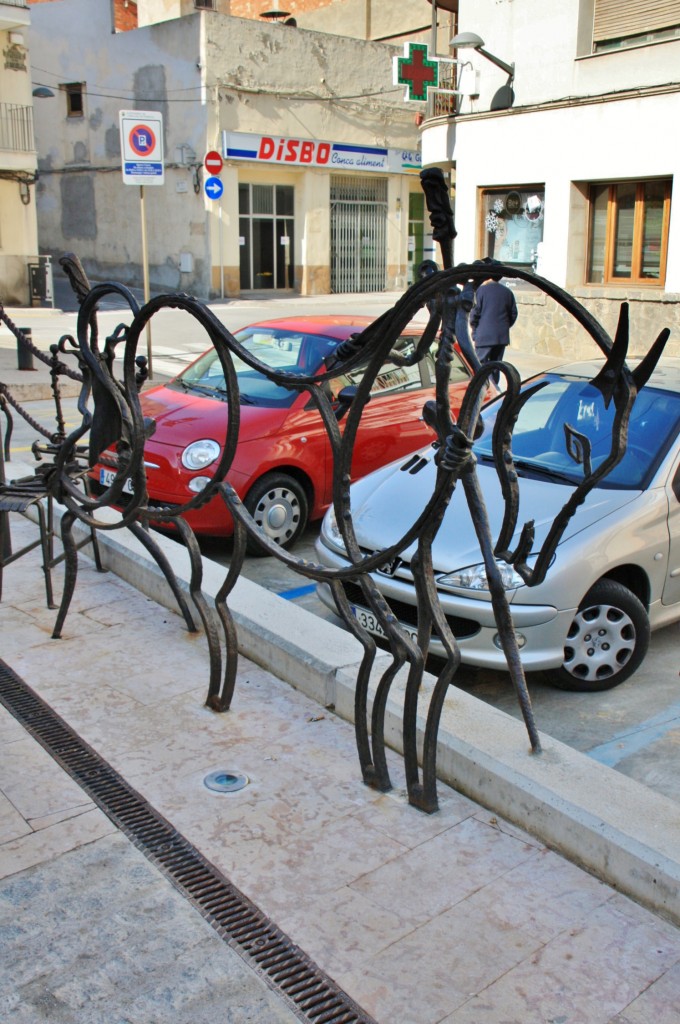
[[612, 825], [458, 917]]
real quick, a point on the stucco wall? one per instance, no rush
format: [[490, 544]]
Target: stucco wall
[[206, 74], [18, 222], [149, 12], [549, 43], [83, 204], [368, 19], [306, 84]]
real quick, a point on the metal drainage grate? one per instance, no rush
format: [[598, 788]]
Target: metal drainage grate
[[313, 996]]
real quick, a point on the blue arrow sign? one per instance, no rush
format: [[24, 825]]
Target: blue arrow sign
[[213, 188]]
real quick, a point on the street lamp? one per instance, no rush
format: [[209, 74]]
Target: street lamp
[[504, 97], [42, 92]]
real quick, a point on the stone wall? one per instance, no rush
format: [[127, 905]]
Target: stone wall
[[544, 328]]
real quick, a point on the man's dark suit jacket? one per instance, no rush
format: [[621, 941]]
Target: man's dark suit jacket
[[492, 316]]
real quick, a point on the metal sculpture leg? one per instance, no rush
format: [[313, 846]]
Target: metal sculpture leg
[[222, 702], [70, 572], [145, 538]]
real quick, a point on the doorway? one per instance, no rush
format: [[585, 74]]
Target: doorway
[[266, 232]]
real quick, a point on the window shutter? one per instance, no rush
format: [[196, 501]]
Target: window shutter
[[616, 19]]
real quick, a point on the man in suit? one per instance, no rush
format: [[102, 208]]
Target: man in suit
[[492, 316]]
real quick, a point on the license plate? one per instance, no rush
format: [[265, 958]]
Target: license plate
[[107, 476], [370, 623]]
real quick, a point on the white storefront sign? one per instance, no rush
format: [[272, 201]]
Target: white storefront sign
[[336, 156]]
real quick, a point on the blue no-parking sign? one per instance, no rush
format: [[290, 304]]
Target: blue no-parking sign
[[141, 143], [213, 187]]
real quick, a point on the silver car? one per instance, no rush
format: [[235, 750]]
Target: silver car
[[616, 572]]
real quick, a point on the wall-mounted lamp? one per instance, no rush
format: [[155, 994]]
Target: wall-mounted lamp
[[42, 92], [504, 97]]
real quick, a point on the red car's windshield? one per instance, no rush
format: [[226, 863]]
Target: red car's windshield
[[295, 351]]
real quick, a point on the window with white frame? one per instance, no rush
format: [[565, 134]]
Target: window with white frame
[[628, 233], [621, 23]]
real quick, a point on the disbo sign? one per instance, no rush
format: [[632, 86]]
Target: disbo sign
[[294, 151]]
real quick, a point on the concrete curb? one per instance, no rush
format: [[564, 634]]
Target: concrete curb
[[612, 826]]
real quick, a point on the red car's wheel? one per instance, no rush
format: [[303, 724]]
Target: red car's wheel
[[279, 506]]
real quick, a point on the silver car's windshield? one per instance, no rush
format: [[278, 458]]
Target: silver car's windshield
[[540, 444], [295, 351]]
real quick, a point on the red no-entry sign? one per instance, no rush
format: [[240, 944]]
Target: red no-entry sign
[[213, 162]]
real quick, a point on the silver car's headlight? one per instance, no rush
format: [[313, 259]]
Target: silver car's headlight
[[330, 534], [473, 577], [200, 454]]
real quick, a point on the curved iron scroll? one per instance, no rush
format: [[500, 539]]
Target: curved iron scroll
[[112, 416]]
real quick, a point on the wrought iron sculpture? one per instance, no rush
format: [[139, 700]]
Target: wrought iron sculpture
[[112, 414]]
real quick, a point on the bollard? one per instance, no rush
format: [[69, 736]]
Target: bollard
[[24, 354]]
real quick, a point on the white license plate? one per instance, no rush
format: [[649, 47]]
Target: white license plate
[[107, 476], [370, 623]]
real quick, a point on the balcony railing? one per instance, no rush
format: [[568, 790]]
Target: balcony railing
[[14, 14], [16, 127], [442, 102]]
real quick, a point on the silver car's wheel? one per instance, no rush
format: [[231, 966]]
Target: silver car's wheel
[[278, 504], [607, 639]]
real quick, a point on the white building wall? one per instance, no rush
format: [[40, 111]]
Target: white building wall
[[577, 118], [626, 139]]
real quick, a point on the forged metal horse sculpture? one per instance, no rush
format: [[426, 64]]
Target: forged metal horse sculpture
[[112, 415]]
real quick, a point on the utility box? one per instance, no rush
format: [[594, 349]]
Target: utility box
[[40, 282]]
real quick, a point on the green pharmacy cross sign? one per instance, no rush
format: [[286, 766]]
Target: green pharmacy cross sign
[[416, 71]]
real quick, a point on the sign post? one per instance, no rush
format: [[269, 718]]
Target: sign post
[[141, 144], [214, 189]]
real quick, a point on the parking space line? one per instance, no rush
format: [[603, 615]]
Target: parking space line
[[290, 595], [628, 743]]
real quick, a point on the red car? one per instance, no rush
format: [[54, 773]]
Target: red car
[[283, 466]]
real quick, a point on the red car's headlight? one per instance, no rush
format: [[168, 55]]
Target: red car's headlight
[[200, 454]]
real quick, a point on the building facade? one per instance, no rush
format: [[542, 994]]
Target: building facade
[[319, 152], [18, 160], [569, 164]]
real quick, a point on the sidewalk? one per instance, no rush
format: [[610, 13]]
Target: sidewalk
[[456, 918]]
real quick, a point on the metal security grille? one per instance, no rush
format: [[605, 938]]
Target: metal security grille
[[358, 234], [16, 128], [309, 992]]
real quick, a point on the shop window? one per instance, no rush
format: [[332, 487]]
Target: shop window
[[621, 23], [74, 99], [628, 236], [513, 224]]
